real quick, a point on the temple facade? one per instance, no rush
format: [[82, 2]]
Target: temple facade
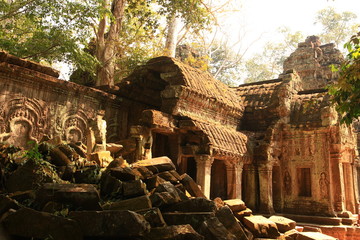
[[276, 144]]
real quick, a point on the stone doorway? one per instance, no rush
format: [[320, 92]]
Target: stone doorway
[[349, 187], [160, 145], [218, 180]]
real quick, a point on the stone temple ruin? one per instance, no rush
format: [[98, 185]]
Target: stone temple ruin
[[276, 144]]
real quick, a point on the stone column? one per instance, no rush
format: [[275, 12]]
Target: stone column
[[233, 177], [337, 182], [265, 184], [203, 172], [251, 186]]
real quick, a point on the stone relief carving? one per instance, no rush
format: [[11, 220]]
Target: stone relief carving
[[287, 182], [324, 185], [22, 120]]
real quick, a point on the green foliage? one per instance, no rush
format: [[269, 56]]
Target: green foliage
[[346, 92], [337, 27]]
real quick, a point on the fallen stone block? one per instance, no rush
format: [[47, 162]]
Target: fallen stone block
[[89, 175], [134, 188], [132, 204], [30, 176], [283, 224], [192, 205], [240, 215], [153, 182], [145, 172], [291, 233], [236, 205], [153, 216], [313, 236], [29, 223], [212, 228], [227, 218], [70, 153], [311, 229], [110, 186], [121, 224], [102, 158], [176, 232], [195, 219], [261, 226], [168, 176], [123, 174], [162, 199], [168, 187], [78, 196], [58, 157], [156, 165], [191, 186], [113, 148], [79, 148]]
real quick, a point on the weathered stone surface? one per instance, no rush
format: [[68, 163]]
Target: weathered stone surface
[[236, 205], [291, 233], [132, 204], [153, 182], [240, 215], [134, 188], [191, 186], [123, 173], [311, 229], [78, 196], [121, 224], [313, 236], [169, 176], [177, 232], [29, 223], [170, 188], [261, 226], [102, 158], [153, 216], [146, 173], [227, 218], [110, 186], [195, 219], [156, 165], [30, 176], [213, 229], [283, 224], [58, 157], [192, 205], [113, 148], [163, 199]]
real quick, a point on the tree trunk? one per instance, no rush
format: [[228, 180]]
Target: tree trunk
[[106, 43], [172, 34]]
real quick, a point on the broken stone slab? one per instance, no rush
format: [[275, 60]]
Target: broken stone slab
[[70, 153], [283, 224], [311, 229], [170, 188], [123, 174], [132, 204], [212, 228], [156, 165], [102, 158], [153, 182], [240, 215], [29, 223], [169, 176], [145, 172], [110, 186], [313, 236], [191, 186], [77, 196], [226, 217], [30, 176], [134, 188], [58, 157], [79, 148], [192, 205], [291, 233], [114, 148], [120, 224], [163, 199], [236, 205], [195, 219], [153, 216], [175, 232], [261, 226]]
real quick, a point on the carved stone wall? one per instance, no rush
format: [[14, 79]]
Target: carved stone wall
[[34, 104]]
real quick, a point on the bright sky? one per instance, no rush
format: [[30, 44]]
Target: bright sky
[[264, 17]]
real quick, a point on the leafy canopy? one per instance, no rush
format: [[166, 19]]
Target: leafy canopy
[[346, 92]]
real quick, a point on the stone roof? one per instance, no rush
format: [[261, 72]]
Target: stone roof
[[259, 95], [175, 72], [8, 58]]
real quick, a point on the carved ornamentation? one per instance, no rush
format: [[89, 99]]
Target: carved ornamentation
[[22, 120]]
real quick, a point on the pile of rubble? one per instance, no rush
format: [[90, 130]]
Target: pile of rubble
[[57, 191]]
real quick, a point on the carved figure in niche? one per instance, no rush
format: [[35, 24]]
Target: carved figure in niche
[[287, 182], [324, 185], [74, 135], [20, 134]]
